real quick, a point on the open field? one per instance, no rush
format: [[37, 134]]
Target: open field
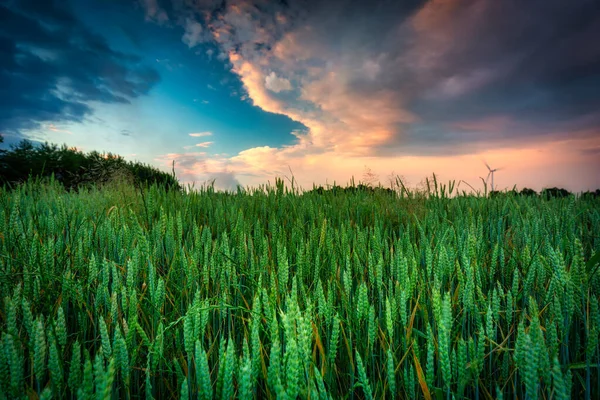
[[147, 294]]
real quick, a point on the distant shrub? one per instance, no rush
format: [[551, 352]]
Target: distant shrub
[[595, 194], [528, 192], [361, 188], [555, 192]]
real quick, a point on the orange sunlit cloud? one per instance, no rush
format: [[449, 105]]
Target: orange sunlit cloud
[[53, 128]]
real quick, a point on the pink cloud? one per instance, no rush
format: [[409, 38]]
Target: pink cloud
[[276, 83], [559, 163], [53, 128]]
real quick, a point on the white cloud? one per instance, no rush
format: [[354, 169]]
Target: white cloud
[[193, 33], [201, 134], [277, 84], [224, 180], [203, 145]]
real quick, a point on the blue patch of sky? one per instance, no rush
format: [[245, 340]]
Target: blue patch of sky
[[196, 92]]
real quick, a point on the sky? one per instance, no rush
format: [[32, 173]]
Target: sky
[[241, 92]]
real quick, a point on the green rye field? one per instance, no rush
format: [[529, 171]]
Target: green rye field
[[123, 293]]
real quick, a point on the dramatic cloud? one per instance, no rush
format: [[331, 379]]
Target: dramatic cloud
[[277, 84], [387, 78], [408, 85], [413, 86], [52, 67], [529, 60]]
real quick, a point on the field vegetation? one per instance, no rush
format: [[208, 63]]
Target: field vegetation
[[136, 291]]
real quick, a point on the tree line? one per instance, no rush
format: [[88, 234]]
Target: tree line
[[74, 169]]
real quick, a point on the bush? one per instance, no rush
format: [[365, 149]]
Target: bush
[[595, 194], [555, 193], [528, 192]]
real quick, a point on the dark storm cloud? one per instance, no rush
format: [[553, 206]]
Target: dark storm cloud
[[51, 66], [534, 61]]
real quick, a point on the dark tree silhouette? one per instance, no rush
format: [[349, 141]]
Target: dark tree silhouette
[[555, 192], [595, 194], [528, 192], [361, 188], [74, 169]]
